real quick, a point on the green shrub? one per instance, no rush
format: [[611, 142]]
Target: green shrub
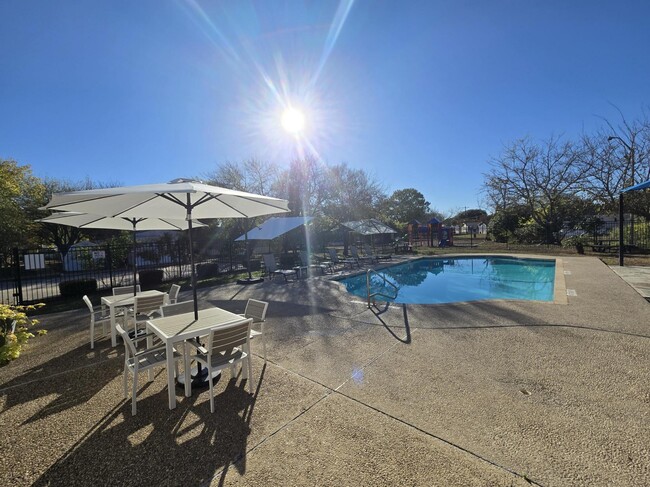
[[14, 332], [77, 288], [151, 278]]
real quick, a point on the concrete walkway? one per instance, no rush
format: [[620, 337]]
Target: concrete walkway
[[486, 393], [636, 276]]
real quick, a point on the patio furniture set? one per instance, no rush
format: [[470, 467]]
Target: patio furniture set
[[170, 329]]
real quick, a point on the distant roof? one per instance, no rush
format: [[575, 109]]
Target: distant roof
[[637, 187], [369, 227], [274, 227]]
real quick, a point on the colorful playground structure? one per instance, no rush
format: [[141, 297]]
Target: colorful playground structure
[[430, 234]]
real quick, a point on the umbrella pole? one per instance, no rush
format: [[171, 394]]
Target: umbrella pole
[[189, 238], [248, 252], [135, 260]]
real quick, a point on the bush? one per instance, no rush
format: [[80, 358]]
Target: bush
[[13, 330], [205, 271], [77, 288], [150, 279]]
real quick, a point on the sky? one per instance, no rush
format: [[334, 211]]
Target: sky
[[419, 93]]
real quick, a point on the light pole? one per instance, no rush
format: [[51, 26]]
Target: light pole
[[630, 157]]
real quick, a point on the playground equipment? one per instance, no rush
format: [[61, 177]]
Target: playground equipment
[[431, 234]]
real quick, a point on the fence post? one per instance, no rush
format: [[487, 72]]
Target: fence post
[[180, 265], [18, 283], [109, 261]]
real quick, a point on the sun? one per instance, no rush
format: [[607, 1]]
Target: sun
[[293, 121]]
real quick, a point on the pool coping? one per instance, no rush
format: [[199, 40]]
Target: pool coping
[[559, 284]]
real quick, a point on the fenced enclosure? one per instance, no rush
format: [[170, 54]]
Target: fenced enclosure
[[34, 275]]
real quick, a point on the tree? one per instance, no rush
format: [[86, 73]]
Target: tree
[[251, 175], [537, 175], [21, 193], [406, 205], [304, 184], [475, 215]]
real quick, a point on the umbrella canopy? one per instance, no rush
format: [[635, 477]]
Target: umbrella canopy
[[85, 220], [274, 227], [369, 227], [178, 199], [175, 200]]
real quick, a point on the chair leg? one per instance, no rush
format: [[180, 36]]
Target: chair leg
[[135, 388], [125, 380], [263, 340], [211, 389], [250, 373]]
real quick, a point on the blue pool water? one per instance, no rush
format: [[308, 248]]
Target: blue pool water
[[449, 280]]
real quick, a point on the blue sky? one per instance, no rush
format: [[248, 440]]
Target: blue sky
[[419, 93]]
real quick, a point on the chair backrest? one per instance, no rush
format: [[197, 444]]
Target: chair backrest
[[88, 303], [367, 249], [126, 290], [147, 304], [129, 346], [333, 256], [354, 251], [223, 339], [269, 262], [173, 293], [256, 309], [177, 308], [304, 258]]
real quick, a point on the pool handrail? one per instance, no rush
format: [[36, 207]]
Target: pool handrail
[[371, 296]]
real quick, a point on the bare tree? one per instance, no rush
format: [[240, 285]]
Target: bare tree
[[252, 175], [540, 176]]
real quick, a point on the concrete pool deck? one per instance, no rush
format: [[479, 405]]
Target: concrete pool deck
[[486, 393]]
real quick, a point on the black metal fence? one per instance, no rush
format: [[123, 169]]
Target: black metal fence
[[34, 275]]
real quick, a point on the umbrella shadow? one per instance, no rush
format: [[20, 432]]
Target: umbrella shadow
[[186, 446]]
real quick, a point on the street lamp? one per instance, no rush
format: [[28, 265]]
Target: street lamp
[[630, 157]]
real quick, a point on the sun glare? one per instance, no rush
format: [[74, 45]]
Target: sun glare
[[293, 120]]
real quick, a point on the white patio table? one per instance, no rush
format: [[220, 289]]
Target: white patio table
[[114, 302], [178, 328]]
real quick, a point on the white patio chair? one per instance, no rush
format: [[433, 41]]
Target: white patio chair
[[144, 308], [177, 308], [126, 290], [98, 316], [173, 293], [257, 311], [135, 362], [227, 345], [307, 264]]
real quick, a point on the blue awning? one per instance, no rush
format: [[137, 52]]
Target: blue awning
[[274, 227], [637, 187]]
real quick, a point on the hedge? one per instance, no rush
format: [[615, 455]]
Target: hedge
[[77, 288]]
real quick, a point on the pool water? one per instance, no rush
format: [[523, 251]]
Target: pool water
[[449, 280]]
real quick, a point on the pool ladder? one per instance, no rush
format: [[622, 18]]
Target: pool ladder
[[371, 296]]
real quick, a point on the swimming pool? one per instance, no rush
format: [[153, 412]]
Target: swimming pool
[[449, 280]]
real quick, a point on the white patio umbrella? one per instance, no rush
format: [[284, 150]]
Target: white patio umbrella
[[85, 220], [178, 199]]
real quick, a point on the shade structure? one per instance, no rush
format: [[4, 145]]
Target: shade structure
[[274, 227], [637, 187], [178, 199], [369, 227], [85, 220]]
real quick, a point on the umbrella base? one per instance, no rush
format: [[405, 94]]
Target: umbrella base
[[199, 381], [250, 280]]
